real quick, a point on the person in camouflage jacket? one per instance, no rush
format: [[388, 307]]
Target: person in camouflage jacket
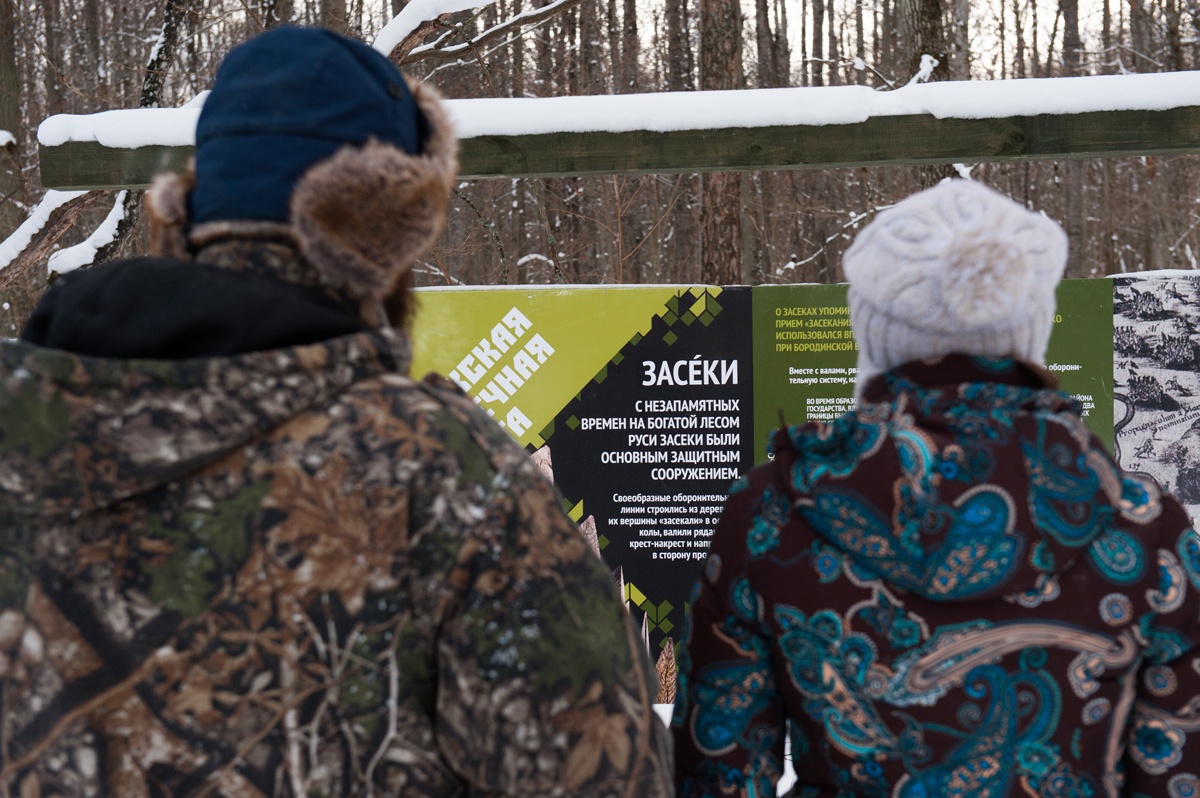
[[242, 553]]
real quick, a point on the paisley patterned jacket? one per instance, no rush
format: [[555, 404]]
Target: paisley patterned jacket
[[951, 591], [297, 572]]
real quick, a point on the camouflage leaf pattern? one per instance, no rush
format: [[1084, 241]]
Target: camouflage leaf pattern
[[298, 573]]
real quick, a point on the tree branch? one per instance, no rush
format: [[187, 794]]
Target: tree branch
[[410, 50], [62, 219]]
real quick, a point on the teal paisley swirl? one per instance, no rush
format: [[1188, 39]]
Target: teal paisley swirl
[[978, 765], [978, 553], [834, 450], [1021, 711], [1172, 586], [727, 699], [1189, 555], [1062, 491], [744, 600], [1162, 645], [830, 668], [1118, 556]]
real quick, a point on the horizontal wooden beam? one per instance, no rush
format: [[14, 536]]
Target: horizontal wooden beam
[[876, 141]]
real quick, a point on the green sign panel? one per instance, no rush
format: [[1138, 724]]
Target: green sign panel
[[644, 403]]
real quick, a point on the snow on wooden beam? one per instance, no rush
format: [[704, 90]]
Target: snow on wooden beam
[[761, 129]]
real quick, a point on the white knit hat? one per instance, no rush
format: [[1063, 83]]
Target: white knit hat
[[955, 268]]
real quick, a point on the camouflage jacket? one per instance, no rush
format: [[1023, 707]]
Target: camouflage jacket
[[298, 572]]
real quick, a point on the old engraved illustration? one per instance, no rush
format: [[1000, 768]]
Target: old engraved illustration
[[1156, 376]]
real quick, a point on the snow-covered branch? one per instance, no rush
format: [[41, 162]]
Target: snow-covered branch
[[416, 15], [12, 246], [35, 238], [527, 18], [402, 39], [72, 258]]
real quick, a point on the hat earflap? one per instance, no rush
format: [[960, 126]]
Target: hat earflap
[[365, 215]]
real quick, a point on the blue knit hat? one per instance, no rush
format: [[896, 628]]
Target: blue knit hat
[[284, 101]]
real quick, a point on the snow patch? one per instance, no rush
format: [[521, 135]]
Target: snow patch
[[71, 258], [674, 111], [15, 244]]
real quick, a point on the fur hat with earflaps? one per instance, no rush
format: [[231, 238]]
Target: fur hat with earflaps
[[955, 268], [319, 139]]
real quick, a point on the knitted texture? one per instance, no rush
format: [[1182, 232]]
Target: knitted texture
[[955, 268]]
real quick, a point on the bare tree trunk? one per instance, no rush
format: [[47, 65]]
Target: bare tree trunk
[[631, 53], [1106, 31], [818, 42], [614, 60], [54, 64], [834, 50], [1074, 212], [860, 46], [1019, 58], [1034, 61], [92, 57], [679, 76], [960, 65], [1049, 70], [754, 230], [1139, 34], [721, 203], [879, 21], [1162, 230], [771, 41], [805, 70], [164, 52], [1171, 17], [277, 12], [783, 50], [592, 71], [921, 22], [333, 16], [1109, 240], [10, 122], [125, 242], [766, 69]]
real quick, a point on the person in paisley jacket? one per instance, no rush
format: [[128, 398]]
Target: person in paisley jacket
[[950, 590], [242, 553]]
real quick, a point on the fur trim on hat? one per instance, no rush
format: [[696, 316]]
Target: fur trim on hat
[[361, 218], [365, 215], [166, 213]]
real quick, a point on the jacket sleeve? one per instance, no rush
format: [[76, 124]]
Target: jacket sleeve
[[728, 724], [543, 685], [1163, 744]]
